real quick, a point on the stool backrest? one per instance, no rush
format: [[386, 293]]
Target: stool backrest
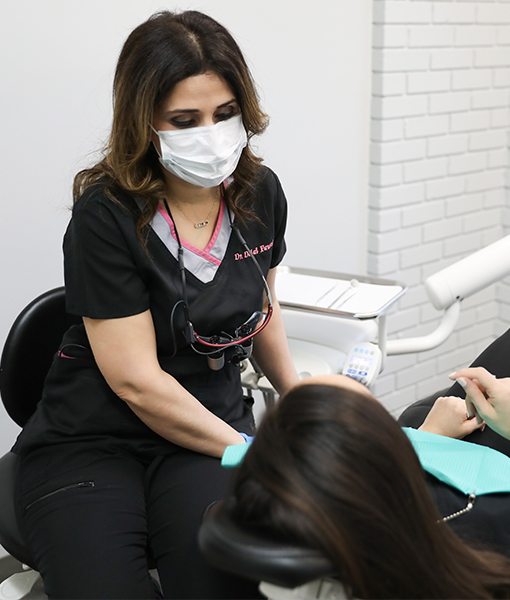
[[28, 351]]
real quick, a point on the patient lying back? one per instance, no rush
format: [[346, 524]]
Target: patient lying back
[[331, 468]]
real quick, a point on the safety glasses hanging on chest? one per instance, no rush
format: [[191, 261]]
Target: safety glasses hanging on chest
[[239, 345]]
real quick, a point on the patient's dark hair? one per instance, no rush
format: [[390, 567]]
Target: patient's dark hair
[[331, 468]]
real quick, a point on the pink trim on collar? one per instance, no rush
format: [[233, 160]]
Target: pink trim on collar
[[205, 253], [217, 229]]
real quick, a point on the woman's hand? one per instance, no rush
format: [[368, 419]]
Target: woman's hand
[[487, 398], [448, 417]]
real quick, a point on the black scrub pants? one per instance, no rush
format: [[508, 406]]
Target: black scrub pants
[[91, 516], [496, 359]]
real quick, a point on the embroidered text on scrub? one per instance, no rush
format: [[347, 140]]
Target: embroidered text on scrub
[[254, 251]]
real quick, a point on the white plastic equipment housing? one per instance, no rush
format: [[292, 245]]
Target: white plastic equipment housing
[[469, 275]]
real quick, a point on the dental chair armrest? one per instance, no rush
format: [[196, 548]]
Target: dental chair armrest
[[256, 555]]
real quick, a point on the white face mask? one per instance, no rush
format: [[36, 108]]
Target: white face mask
[[203, 156]]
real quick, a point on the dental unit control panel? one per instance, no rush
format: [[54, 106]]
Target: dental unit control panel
[[363, 363]]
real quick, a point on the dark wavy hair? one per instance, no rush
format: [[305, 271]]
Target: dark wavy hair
[[158, 54], [332, 469]]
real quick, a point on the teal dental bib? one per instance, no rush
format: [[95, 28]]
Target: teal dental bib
[[233, 455], [470, 468]]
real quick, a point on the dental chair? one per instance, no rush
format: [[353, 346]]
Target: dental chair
[[285, 570], [28, 351]]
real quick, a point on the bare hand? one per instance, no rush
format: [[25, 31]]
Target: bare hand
[[448, 417], [487, 398]]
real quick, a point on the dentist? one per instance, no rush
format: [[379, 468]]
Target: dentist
[[170, 260]]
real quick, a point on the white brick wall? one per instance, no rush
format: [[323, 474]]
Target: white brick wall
[[440, 173]]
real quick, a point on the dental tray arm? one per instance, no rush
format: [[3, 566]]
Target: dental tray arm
[[447, 288], [424, 342]]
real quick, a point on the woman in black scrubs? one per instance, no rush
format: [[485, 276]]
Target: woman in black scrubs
[[173, 236]]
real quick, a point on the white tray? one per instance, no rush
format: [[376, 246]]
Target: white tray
[[339, 294]]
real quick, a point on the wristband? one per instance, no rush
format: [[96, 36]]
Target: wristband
[[247, 438]]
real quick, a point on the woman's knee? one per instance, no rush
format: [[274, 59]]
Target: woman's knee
[[87, 531]]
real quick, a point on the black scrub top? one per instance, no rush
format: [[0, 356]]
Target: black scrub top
[[109, 274]]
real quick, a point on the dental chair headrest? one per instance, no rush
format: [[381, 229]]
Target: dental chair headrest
[[256, 555]]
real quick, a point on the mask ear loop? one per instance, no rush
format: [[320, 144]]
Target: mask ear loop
[[158, 151]]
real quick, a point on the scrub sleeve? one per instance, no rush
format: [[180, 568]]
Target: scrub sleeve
[[102, 278]]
